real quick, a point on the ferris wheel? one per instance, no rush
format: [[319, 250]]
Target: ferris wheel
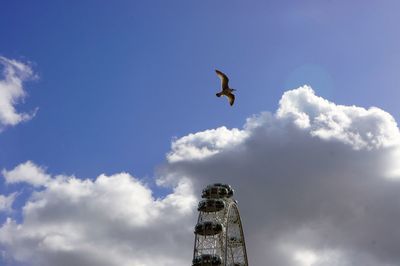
[[219, 238]]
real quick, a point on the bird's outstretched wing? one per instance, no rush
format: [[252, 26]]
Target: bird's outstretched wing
[[224, 79], [231, 98]]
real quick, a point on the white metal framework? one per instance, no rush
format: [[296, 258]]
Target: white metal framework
[[219, 238]]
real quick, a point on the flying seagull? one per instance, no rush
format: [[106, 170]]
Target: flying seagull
[[225, 88]]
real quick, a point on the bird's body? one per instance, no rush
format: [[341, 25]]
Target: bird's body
[[226, 91]]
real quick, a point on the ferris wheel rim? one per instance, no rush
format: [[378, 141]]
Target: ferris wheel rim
[[216, 253]]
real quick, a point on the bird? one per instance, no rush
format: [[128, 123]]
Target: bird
[[225, 88]]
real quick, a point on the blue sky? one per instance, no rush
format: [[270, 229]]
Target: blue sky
[[119, 81]]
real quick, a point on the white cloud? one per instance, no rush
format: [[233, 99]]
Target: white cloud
[[112, 220], [317, 184], [203, 144], [12, 91], [7, 201], [359, 127], [314, 176], [27, 172]]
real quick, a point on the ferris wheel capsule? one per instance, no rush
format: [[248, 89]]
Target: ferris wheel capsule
[[217, 190], [208, 228], [207, 260], [211, 205]]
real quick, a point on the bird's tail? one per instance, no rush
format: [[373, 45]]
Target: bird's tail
[[218, 94]]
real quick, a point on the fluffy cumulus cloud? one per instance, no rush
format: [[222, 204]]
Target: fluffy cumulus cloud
[[204, 144], [112, 220], [27, 172], [7, 201], [317, 184], [15, 73]]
